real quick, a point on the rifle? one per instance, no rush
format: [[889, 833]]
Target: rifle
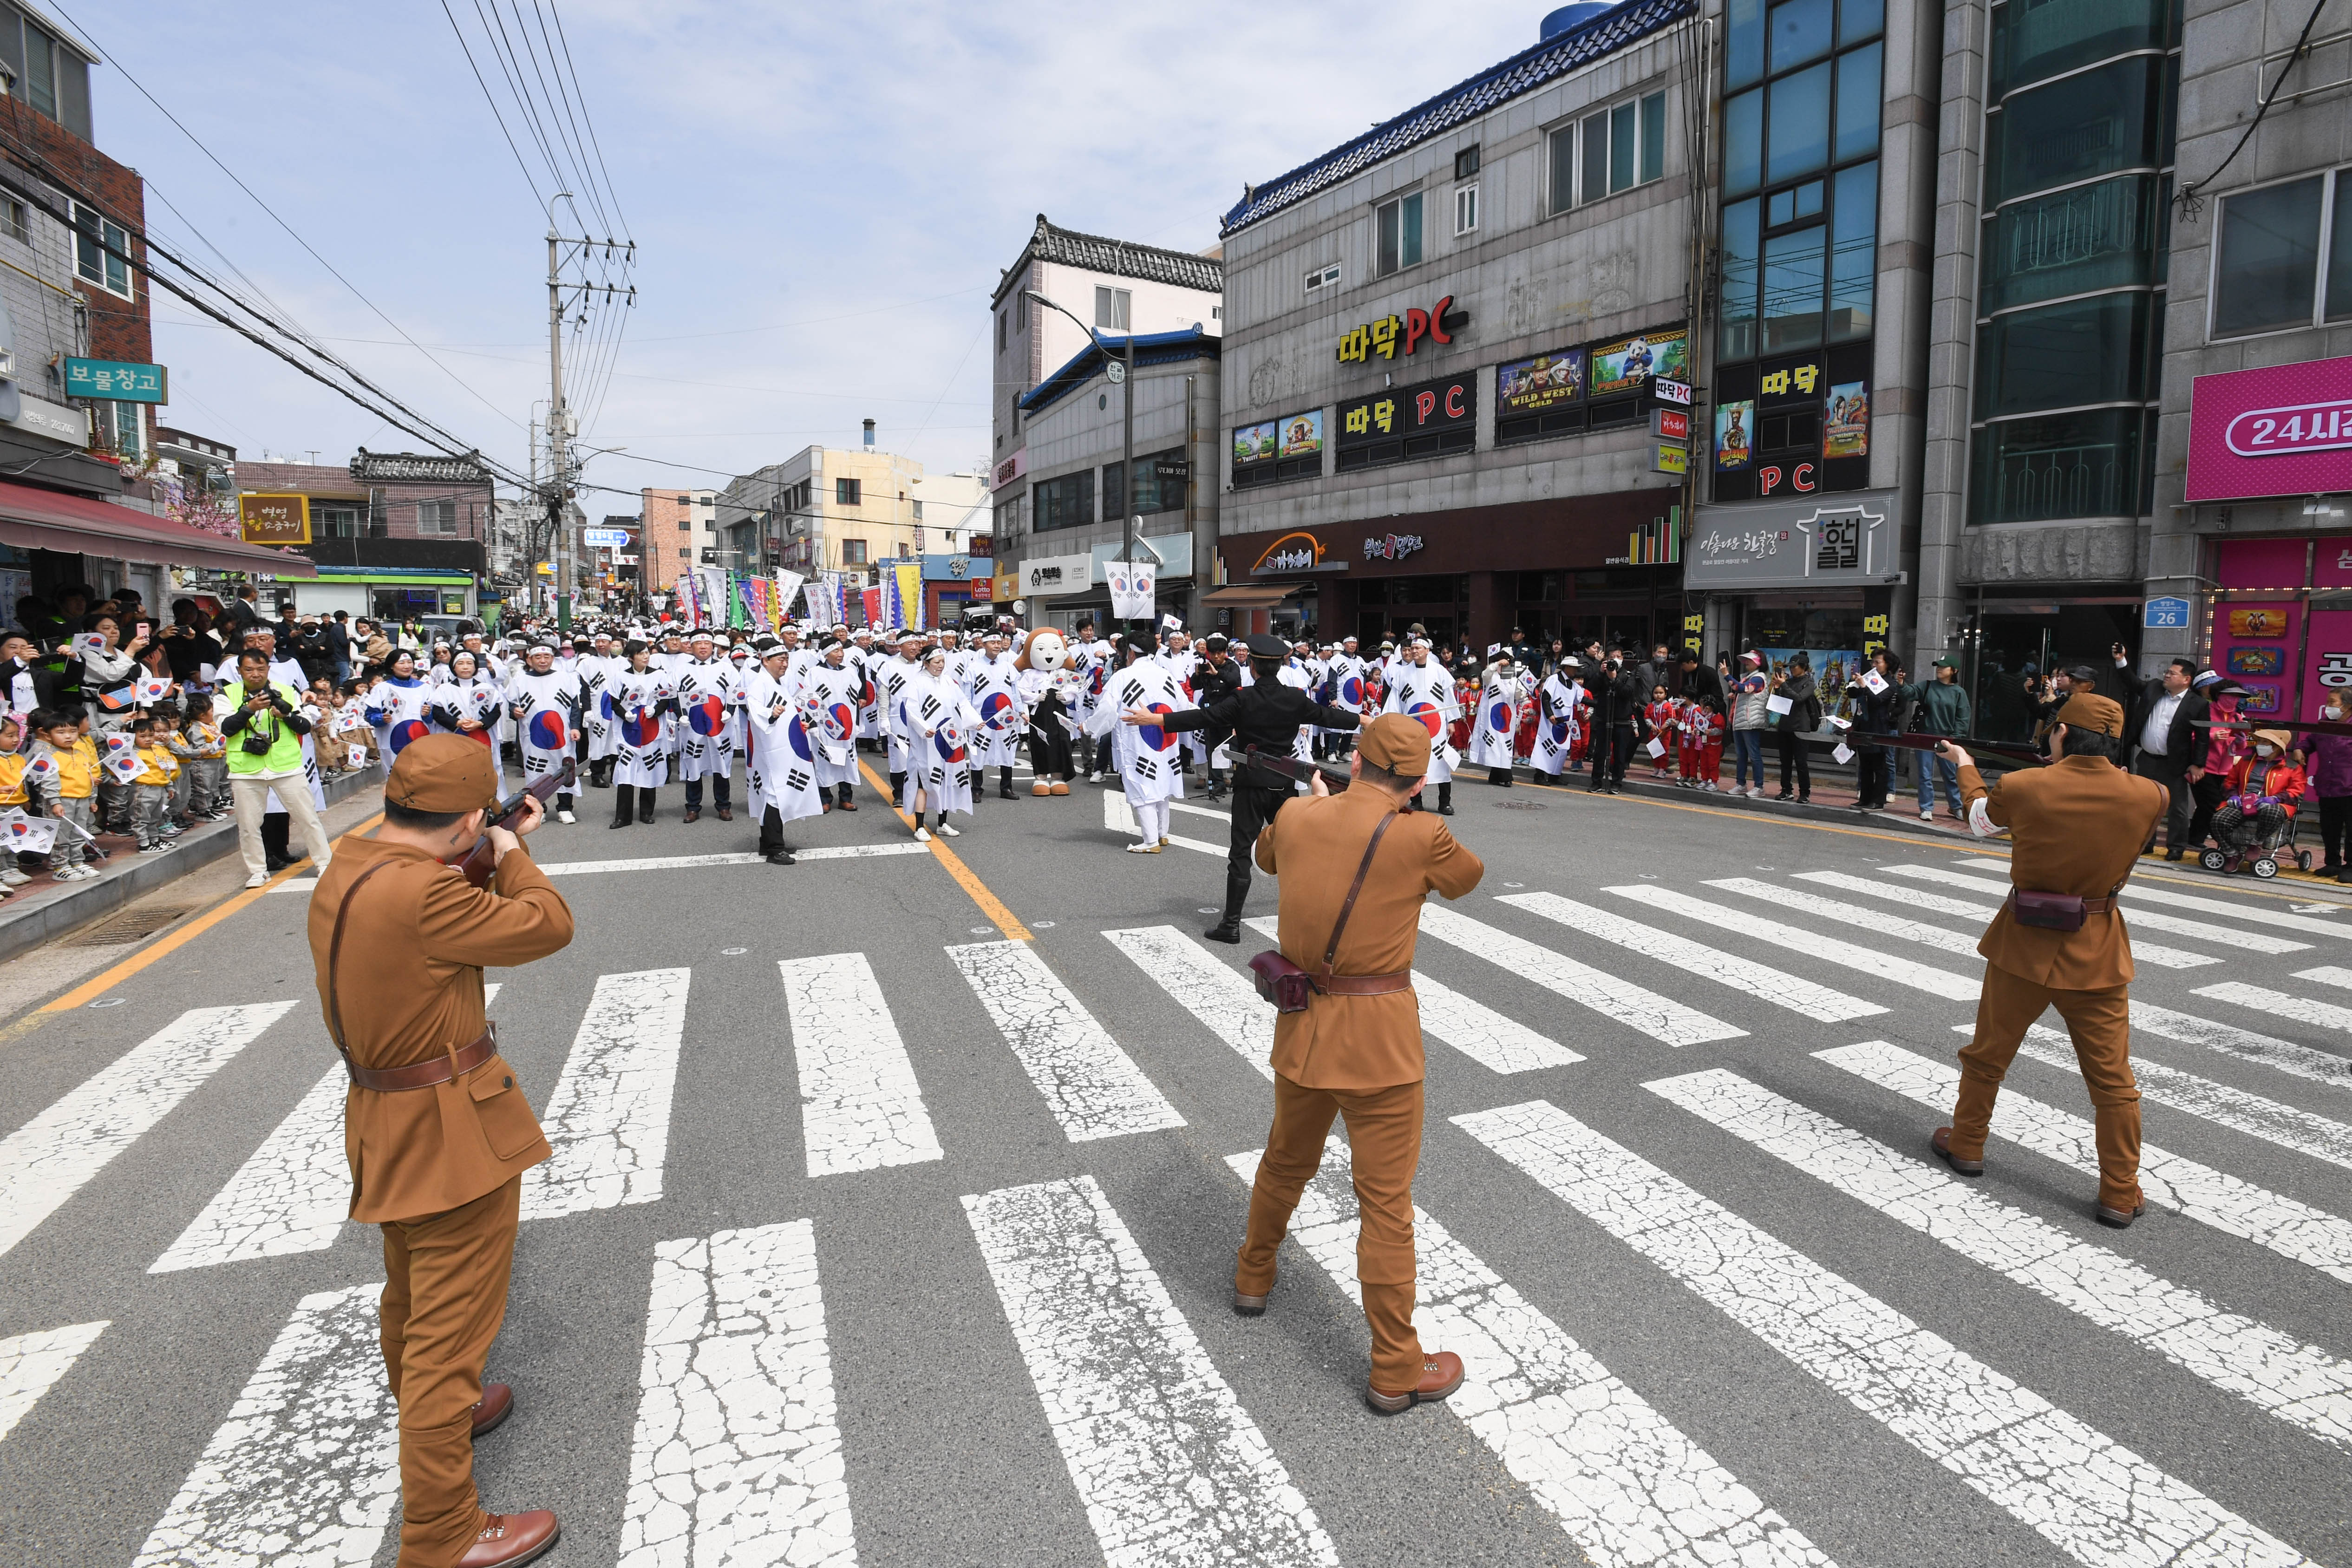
[[2316, 726], [2022, 755], [481, 860], [1290, 767]]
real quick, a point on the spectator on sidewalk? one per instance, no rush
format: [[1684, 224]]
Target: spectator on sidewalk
[[61, 778], [190, 647], [1662, 724], [1875, 712], [1617, 694], [264, 730], [1750, 716], [2262, 791], [1702, 741], [2327, 764], [151, 790], [2209, 774], [1942, 709], [1803, 717], [2162, 731], [1695, 680], [336, 633], [11, 791]]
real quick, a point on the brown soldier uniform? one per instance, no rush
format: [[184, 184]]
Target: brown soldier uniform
[[436, 1127], [1358, 1056], [2076, 827]]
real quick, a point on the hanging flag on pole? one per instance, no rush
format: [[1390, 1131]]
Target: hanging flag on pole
[[911, 593], [788, 588]]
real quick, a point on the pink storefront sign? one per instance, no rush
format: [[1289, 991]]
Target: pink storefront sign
[[2285, 430]]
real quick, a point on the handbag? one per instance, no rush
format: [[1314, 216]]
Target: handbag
[[1283, 982], [2060, 912]]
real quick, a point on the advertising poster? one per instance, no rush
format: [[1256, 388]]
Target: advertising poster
[[1833, 668], [1302, 434], [1734, 424], [1629, 362], [2252, 644], [2330, 666], [1543, 383], [1845, 420], [1254, 443]]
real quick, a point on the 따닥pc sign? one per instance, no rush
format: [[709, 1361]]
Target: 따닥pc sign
[[2282, 430]]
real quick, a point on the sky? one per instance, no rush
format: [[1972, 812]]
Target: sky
[[823, 198]]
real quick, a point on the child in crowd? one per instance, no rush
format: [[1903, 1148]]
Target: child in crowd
[[12, 792], [1703, 728], [1663, 721], [61, 776], [207, 761], [150, 790]]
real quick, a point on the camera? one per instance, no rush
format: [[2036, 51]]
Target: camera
[[257, 743]]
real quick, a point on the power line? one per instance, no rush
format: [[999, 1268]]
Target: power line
[[493, 102], [563, 38], [548, 97], [578, 149]]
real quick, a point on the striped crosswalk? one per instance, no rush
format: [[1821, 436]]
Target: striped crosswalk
[[748, 1439]]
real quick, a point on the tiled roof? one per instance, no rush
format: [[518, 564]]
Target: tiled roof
[[1150, 348], [1522, 73], [1121, 259]]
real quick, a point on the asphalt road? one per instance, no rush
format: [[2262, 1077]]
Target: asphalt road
[[933, 1236]]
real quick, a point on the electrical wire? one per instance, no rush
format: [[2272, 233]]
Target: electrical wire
[[489, 98], [2187, 197], [584, 115]]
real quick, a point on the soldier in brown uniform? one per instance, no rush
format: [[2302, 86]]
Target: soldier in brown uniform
[[2075, 827], [436, 1130], [1356, 1051]]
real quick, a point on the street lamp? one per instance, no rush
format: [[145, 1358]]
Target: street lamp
[[1127, 410]]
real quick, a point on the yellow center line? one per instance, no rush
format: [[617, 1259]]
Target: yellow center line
[[966, 877], [106, 980]]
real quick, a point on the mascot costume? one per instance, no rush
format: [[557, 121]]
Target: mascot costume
[[1049, 689]]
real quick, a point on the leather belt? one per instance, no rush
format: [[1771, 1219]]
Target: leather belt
[[1364, 984], [426, 1074], [2090, 906]]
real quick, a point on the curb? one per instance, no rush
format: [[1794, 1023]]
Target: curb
[[27, 925]]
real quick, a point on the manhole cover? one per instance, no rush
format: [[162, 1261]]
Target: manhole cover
[[128, 926], [1521, 805]]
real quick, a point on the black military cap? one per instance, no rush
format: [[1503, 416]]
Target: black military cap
[[1265, 645]]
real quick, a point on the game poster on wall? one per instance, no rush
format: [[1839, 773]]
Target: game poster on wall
[[1734, 424], [2250, 645], [1627, 364], [1254, 443], [1540, 383], [1845, 420], [1302, 434]]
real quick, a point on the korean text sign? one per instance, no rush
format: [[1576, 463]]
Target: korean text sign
[[2282, 430]]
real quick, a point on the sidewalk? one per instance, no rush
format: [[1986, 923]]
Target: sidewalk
[[43, 910]]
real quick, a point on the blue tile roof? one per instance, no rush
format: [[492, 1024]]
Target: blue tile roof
[[1150, 348], [1522, 73]]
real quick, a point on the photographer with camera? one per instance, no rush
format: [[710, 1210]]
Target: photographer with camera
[[264, 730]]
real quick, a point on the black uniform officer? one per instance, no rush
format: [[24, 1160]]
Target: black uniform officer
[[1214, 678], [1265, 714]]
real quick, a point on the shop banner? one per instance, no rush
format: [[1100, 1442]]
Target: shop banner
[[2328, 665], [2282, 430]]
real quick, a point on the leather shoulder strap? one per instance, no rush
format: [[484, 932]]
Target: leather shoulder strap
[[1331, 953], [335, 955]]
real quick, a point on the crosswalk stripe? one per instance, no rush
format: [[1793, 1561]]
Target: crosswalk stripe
[[290, 1196], [2302, 1061], [1120, 817], [1660, 1018], [1810, 944], [1229, 1005], [2268, 1119], [2233, 1207], [608, 1119], [44, 1163], [1200, 810], [1092, 1087], [1962, 942], [2299, 1384], [2134, 910], [30, 1366], [861, 1107], [690, 862], [2328, 975], [738, 1453], [2143, 890], [2076, 1487], [1627, 1486], [1774, 986], [2302, 1009], [1492, 1039], [1171, 1469], [306, 1468]]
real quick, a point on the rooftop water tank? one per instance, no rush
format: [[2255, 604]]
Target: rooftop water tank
[[1573, 16]]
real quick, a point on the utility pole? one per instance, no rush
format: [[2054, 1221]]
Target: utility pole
[[1126, 367], [560, 474]]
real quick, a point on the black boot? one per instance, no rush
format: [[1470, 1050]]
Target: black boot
[[1445, 799], [899, 789], [1229, 927], [645, 806], [1004, 782], [624, 804]]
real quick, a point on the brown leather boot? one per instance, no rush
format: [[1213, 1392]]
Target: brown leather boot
[[509, 1539], [1941, 1140], [497, 1405], [1441, 1374]]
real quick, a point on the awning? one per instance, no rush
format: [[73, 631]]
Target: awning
[[1250, 596], [50, 520]]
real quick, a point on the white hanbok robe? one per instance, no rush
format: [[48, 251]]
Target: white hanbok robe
[[1003, 716], [1425, 691], [642, 702], [1491, 738], [400, 712], [780, 761], [479, 699], [596, 673], [549, 720], [1556, 701], [940, 724], [868, 663], [828, 703], [897, 675], [706, 701], [1148, 763]]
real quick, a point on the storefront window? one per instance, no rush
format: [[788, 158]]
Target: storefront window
[[2008, 658], [2066, 355]]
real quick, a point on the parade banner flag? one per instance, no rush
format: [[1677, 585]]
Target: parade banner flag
[[788, 588], [871, 598], [910, 592], [756, 597]]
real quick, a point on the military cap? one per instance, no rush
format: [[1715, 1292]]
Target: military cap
[[1396, 743], [1265, 645], [444, 773], [2089, 710]]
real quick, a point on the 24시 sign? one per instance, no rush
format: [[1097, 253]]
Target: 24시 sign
[[2282, 430]]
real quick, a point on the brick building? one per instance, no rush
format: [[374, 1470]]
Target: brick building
[[678, 526]]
